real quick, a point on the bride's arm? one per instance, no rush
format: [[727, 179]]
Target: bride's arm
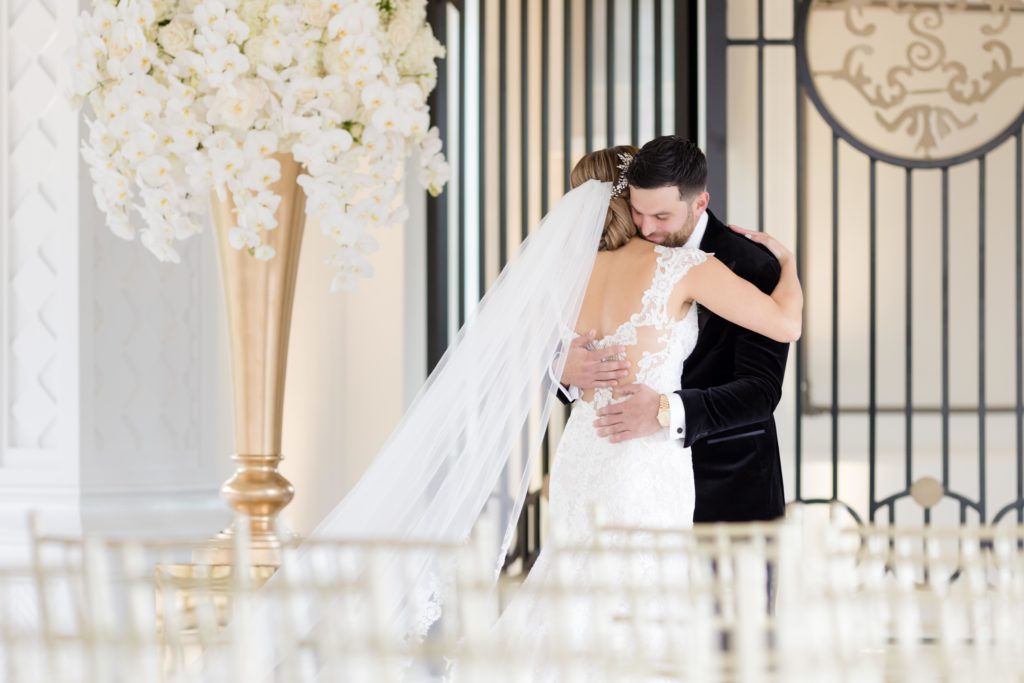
[[778, 316]]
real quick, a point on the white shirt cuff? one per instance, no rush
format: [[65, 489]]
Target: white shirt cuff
[[572, 393], [677, 417]]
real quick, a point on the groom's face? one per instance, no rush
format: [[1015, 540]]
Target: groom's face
[[663, 216]]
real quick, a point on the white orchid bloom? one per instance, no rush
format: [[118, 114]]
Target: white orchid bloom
[[102, 19], [283, 18], [356, 18], [158, 205], [377, 94], [243, 238], [388, 119], [225, 64], [340, 226], [308, 46], [431, 145], [277, 49], [264, 252], [225, 165], [188, 67], [267, 200], [435, 174], [220, 141], [155, 171], [418, 124], [335, 142], [238, 104], [260, 173], [186, 132], [145, 109], [260, 143], [140, 14], [256, 217], [137, 148], [208, 13], [233, 28]]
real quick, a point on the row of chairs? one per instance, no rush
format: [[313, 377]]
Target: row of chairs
[[749, 602]]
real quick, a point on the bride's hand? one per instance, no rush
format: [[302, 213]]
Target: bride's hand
[[774, 246]]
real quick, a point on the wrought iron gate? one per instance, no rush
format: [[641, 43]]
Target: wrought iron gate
[[913, 108]]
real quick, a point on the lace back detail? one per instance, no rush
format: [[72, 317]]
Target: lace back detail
[[673, 264], [659, 367]]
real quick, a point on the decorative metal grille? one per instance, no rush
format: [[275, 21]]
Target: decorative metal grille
[[896, 154]]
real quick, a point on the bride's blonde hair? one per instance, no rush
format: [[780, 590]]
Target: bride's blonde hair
[[603, 164]]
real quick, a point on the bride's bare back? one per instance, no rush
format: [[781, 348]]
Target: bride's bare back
[[615, 293]]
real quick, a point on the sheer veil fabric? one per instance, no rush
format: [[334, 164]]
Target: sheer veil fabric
[[459, 444], [461, 457]]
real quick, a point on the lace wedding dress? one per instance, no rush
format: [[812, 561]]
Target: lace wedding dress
[[645, 482]]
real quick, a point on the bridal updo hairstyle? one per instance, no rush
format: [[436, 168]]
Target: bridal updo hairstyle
[[604, 165]]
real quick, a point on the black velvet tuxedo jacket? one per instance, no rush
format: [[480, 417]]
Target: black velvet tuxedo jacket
[[731, 384]]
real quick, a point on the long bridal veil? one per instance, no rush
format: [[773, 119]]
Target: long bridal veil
[[467, 441], [461, 443]]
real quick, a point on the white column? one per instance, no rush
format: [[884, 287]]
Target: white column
[[39, 327], [113, 371]]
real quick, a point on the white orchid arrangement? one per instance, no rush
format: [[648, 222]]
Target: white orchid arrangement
[[191, 95]]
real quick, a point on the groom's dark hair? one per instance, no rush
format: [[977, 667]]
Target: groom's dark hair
[[670, 160]]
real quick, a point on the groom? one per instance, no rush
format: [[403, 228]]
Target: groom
[[731, 382]]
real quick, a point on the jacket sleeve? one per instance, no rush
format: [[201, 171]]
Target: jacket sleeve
[[756, 388]]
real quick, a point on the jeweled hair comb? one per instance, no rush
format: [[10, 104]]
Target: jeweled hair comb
[[625, 161]]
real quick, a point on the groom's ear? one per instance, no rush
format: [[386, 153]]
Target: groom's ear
[[700, 203]]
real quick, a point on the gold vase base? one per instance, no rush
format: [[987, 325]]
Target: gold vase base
[[197, 586]]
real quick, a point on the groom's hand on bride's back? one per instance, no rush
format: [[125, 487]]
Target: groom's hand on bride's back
[[632, 418], [587, 369]]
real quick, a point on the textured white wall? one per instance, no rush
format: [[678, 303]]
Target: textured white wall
[[39, 328], [112, 373]]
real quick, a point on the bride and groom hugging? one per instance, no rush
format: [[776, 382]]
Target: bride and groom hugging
[[683, 334], [669, 332], [732, 359]]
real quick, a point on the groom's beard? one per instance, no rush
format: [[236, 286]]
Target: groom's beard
[[677, 239], [674, 239]]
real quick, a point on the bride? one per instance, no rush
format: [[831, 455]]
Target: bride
[[459, 463]]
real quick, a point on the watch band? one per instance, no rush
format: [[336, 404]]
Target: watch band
[[664, 411]]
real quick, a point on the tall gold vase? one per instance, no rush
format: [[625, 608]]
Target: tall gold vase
[[260, 295]]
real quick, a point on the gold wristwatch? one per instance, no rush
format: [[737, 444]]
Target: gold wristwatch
[[664, 412]]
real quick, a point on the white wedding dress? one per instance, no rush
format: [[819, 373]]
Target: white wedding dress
[[645, 482]]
